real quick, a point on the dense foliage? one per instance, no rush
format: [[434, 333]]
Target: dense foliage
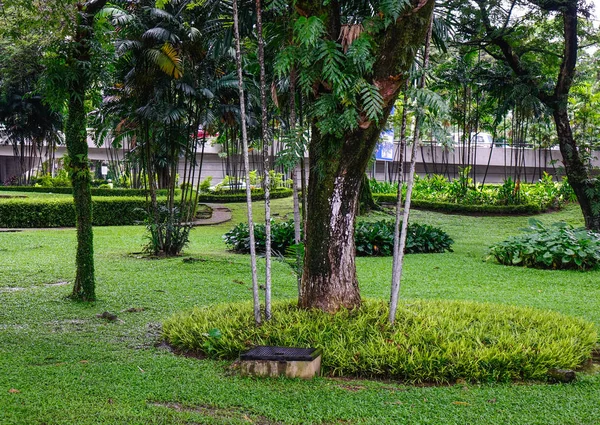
[[372, 238], [543, 195], [432, 341], [282, 237], [377, 239], [559, 246], [107, 211]]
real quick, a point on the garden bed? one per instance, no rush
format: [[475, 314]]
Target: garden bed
[[432, 341]]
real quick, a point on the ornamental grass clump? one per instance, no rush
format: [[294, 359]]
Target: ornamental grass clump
[[431, 341], [559, 246]]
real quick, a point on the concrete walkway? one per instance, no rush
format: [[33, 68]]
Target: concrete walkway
[[220, 214]]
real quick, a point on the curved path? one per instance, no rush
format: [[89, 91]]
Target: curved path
[[220, 214]]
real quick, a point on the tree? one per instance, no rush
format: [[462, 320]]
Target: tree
[[532, 59], [352, 84], [238, 62], [78, 60]]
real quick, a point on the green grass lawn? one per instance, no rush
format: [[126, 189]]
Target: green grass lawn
[[35, 195], [70, 367]]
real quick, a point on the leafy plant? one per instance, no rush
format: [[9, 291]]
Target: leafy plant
[[282, 237], [167, 235], [432, 341], [377, 239], [559, 246], [372, 238]]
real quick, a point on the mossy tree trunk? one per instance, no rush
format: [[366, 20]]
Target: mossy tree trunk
[[84, 287], [338, 164]]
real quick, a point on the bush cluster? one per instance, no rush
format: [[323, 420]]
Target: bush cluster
[[107, 211], [225, 196], [451, 207], [432, 341], [282, 237], [559, 246], [463, 195], [377, 239], [371, 238]]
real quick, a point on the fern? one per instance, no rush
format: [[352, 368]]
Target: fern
[[308, 31], [372, 101]]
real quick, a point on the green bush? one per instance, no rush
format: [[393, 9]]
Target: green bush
[[559, 246], [95, 191], [450, 207], [462, 195], [432, 341], [377, 239], [107, 211], [240, 196], [372, 239], [282, 237]]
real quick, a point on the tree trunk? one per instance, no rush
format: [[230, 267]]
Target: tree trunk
[[337, 165], [84, 287], [265, 153], [586, 189], [76, 141], [238, 61], [366, 201]]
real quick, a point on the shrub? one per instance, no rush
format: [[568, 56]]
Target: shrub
[[462, 195], [372, 238], [377, 239], [559, 246], [432, 341], [240, 195], [27, 213], [282, 237]]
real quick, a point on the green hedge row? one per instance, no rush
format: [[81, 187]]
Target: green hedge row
[[257, 195], [96, 191], [451, 207], [107, 211]]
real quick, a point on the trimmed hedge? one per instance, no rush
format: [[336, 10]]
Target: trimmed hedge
[[107, 211], [432, 341], [96, 191], [451, 207], [257, 195], [221, 197]]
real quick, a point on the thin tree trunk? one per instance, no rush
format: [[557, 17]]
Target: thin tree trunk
[[265, 152], [294, 176], [399, 250], [238, 61]]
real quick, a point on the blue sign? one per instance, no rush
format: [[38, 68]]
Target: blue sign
[[385, 148]]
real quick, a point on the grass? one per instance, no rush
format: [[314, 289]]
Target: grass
[[35, 195], [71, 367]]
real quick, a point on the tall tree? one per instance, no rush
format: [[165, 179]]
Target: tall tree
[[78, 60], [533, 57], [352, 62]]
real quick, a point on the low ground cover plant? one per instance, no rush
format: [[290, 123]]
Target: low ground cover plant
[[543, 195], [558, 246], [432, 341], [371, 238]]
